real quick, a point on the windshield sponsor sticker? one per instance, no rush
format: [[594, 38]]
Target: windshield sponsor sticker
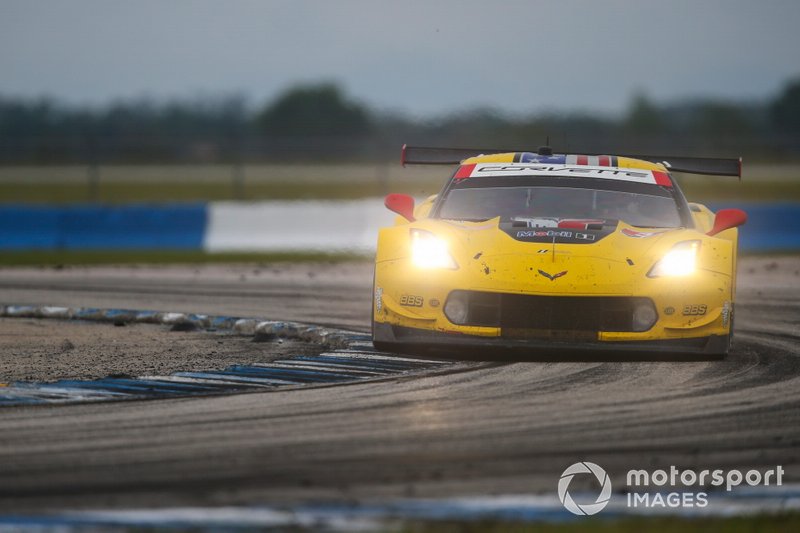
[[582, 171]]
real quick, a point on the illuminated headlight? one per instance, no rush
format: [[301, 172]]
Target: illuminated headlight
[[680, 261], [429, 251], [457, 307], [644, 316]]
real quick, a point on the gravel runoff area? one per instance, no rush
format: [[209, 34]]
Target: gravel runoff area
[[49, 350]]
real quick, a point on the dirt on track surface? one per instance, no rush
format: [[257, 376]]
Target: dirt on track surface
[[511, 427], [49, 350], [332, 294]]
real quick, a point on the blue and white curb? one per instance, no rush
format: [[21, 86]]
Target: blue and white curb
[[301, 225], [350, 356]]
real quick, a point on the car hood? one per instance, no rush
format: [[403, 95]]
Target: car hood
[[618, 255]]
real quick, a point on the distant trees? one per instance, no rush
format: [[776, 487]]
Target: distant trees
[[314, 111], [644, 117], [322, 121], [785, 110]]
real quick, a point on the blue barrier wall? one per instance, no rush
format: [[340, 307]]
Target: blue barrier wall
[[771, 226], [91, 227]]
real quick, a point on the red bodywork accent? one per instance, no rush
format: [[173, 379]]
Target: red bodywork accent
[[662, 178], [464, 171], [727, 219], [402, 204]]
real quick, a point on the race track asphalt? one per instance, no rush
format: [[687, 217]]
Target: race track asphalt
[[503, 427]]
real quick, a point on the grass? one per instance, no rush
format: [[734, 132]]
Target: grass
[[122, 192], [185, 183], [75, 258], [706, 191], [125, 192], [774, 523], [181, 183]]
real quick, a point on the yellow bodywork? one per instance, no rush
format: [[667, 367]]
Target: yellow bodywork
[[490, 260]]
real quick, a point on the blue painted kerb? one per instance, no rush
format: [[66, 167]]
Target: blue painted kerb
[[99, 227]]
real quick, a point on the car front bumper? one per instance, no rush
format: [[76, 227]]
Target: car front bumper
[[402, 338]]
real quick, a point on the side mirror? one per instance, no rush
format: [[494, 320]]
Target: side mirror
[[402, 204], [727, 219]]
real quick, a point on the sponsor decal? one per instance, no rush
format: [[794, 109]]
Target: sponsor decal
[[379, 299], [542, 233], [409, 300], [671, 487], [542, 251], [694, 309], [433, 302], [726, 313], [552, 277], [581, 223], [669, 310], [581, 168], [639, 234], [563, 223], [538, 222], [584, 236]]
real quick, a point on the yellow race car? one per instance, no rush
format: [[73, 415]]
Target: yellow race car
[[543, 250]]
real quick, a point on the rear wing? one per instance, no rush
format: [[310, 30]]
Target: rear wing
[[710, 166]]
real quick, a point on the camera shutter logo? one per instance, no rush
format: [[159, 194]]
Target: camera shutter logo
[[589, 508]]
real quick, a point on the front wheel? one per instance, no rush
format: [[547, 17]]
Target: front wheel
[[379, 346]]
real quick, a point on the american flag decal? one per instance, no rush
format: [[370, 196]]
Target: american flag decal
[[592, 160]]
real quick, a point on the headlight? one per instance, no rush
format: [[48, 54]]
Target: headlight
[[429, 251], [680, 261]]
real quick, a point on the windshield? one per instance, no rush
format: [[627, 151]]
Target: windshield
[[635, 209]]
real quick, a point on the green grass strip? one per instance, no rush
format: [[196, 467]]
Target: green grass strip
[[156, 257], [117, 193], [128, 192]]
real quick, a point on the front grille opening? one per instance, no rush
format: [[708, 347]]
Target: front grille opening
[[484, 308], [565, 313]]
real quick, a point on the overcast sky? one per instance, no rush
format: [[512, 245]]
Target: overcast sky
[[429, 56]]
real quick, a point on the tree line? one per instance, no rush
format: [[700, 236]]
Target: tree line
[[319, 121]]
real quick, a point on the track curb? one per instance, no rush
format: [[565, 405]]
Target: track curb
[[346, 357], [259, 328]]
